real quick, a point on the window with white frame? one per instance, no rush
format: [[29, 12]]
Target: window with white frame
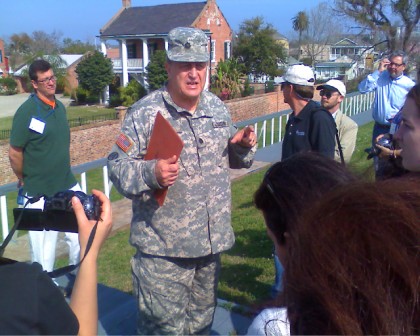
[[213, 51], [227, 50]]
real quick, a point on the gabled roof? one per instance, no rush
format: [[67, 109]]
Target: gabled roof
[[158, 19], [345, 42]]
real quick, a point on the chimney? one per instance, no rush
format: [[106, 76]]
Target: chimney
[[126, 3]]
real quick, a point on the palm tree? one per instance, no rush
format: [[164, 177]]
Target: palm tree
[[300, 24]]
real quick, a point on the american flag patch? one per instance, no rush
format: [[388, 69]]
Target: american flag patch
[[124, 142]]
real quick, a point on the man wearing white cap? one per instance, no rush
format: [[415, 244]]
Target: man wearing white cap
[[310, 127], [332, 94]]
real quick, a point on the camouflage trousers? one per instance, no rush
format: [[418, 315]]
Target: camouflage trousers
[[176, 296]]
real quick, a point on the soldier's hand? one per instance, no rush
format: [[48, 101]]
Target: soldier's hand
[[167, 171], [246, 137]]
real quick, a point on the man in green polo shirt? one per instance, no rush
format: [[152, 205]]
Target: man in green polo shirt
[[40, 157]]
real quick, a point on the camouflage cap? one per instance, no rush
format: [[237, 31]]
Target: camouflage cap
[[187, 45]]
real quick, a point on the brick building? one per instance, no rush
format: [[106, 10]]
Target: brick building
[[140, 31], [4, 65]]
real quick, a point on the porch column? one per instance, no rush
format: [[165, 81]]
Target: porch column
[[123, 47], [145, 55], [103, 47], [166, 44]]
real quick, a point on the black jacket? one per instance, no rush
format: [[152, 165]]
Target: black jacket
[[313, 129]]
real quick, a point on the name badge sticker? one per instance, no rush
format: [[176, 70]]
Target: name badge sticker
[[37, 125]]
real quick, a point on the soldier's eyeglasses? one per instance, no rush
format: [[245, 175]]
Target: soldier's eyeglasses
[[47, 80]]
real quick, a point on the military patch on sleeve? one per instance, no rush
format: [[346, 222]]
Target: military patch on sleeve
[[112, 156], [219, 124], [124, 142]]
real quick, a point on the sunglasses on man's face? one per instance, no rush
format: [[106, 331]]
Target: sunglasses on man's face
[[325, 93]]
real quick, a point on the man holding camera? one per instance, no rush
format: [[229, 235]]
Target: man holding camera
[[39, 155], [391, 87]]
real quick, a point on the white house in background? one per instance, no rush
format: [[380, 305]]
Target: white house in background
[[342, 68]]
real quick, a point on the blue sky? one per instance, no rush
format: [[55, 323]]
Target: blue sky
[[82, 19]]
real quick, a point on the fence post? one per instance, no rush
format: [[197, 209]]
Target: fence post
[[120, 112]]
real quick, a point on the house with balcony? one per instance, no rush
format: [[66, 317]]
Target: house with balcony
[[347, 47], [140, 31]]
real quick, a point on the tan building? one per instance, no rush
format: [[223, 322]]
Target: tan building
[[140, 31]]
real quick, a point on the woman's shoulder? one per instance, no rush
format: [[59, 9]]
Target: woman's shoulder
[[271, 321]]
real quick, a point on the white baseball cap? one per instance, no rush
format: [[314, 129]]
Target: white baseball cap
[[299, 74], [334, 85]]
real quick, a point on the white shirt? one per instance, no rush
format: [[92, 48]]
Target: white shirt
[[270, 322]]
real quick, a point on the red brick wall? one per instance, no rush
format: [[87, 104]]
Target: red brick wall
[[3, 65], [213, 19]]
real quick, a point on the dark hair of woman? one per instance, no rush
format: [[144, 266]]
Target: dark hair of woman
[[414, 94], [354, 266], [291, 186]]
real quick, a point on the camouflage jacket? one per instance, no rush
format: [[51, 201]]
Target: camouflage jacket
[[195, 219]]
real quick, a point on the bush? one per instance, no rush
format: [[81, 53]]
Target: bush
[[269, 86], [81, 95], [131, 93], [115, 100], [248, 90], [8, 86], [92, 98]]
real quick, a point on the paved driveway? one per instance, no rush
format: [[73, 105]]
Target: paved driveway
[[9, 104]]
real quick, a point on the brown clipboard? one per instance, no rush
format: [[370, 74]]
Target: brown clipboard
[[164, 143]]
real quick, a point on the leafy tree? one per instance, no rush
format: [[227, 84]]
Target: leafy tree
[[318, 34], [95, 72], [300, 24], [226, 81], [44, 43], [396, 19], [18, 47], [156, 73], [76, 47], [257, 48]]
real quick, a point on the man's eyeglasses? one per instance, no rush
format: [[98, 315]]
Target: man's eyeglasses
[[47, 80], [395, 64], [325, 93]]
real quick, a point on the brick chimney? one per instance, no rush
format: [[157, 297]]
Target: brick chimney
[[126, 3]]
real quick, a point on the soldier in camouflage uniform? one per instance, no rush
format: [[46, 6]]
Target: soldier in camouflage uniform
[[176, 267]]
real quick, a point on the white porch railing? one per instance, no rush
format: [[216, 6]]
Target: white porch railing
[[132, 63], [269, 130]]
